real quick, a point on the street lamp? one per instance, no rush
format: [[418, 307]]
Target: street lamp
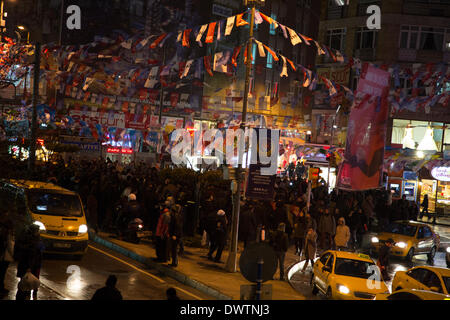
[[22, 28]]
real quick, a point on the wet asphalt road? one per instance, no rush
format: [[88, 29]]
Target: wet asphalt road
[[64, 278], [301, 281]]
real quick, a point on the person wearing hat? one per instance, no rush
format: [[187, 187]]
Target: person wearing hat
[[218, 236], [383, 258], [280, 244]]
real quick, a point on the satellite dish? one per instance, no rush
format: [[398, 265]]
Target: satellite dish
[[248, 262]]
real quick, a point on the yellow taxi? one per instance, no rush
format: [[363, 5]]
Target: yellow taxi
[[347, 275], [427, 278], [413, 294], [411, 238], [57, 211]]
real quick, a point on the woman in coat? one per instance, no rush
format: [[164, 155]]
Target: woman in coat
[[310, 247], [342, 234]]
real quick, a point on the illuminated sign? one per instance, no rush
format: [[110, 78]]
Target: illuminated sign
[[119, 150], [441, 173]]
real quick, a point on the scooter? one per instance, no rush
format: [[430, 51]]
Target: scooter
[[135, 231]]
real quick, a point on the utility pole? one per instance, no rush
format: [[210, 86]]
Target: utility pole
[[231, 265], [37, 62]]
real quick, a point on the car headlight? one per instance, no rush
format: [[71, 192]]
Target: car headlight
[[343, 289], [40, 224], [448, 250], [82, 228], [401, 245], [375, 240]]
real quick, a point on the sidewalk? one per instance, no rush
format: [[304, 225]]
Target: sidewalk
[[444, 221], [195, 270]]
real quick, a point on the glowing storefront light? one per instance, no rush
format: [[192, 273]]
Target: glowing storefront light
[[428, 142], [408, 141]]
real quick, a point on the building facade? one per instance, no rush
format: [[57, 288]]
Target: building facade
[[413, 42]]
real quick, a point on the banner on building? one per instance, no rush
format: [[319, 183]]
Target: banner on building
[[363, 164]]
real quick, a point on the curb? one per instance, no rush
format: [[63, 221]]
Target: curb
[[184, 279]]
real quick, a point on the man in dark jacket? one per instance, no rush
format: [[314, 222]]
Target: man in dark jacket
[[109, 292], [280, 243], [218, 236], [248, 225], [383, 258], [175, 232]]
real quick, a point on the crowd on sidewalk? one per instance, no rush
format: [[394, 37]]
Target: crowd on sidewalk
[[114, 195]]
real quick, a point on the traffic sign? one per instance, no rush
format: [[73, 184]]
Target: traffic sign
[[248, 262]]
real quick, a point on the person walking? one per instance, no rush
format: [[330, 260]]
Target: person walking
[[218, 236], [6, 252], [424, 206], [327, 230], [342, 235], [280, 244], [175, 233], [162, 236], [109, 292], [310, 248], [383, 258], [299, 231], [28, 252]]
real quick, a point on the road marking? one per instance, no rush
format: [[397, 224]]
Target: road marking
[[143, 271]]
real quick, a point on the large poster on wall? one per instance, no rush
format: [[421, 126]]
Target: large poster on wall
[[363, 163]]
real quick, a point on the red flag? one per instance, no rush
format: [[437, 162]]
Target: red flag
[[235, 55], [186, 34], [207, 62], [158, 40], [210, 34], [239, 21]]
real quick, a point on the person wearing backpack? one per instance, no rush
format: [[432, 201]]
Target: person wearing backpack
[[280, 243]]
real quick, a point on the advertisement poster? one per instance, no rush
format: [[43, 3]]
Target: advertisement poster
[[259, 186], [363, 164]]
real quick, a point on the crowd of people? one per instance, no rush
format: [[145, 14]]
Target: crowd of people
[[114, 195]]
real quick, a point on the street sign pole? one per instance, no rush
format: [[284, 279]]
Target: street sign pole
[[231, 265]]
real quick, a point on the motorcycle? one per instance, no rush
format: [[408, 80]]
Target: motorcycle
[[135, 231]]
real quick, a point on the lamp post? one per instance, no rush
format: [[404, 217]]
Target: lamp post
[[23, 28], [231, 264], [331, 144]]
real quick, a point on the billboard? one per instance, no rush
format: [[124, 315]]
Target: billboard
[[364, 153]]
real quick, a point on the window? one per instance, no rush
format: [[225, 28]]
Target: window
[[336, 38], [423, 38], [324, 258], [420, 234], [353, 268], [417, 274], [427, 232], [366, 38], [432, 280], [330, 262]]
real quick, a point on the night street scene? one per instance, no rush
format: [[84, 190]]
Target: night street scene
[[206, 151]]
